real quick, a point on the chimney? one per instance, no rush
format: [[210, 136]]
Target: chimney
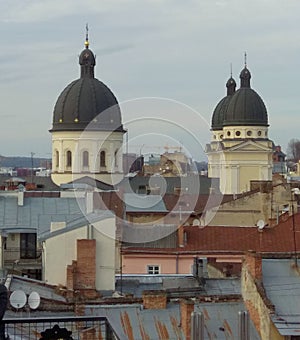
[[253, 262], [20, 198], [154, 299], [181, 236], [89, 202], [186, 309]]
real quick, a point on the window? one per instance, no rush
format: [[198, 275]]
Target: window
[[153, 269], [85, 159], [228, 133], [69, 159], [238, 133], [259, 133], [56, 158], [116, 158], [102, 159], [249, 133], [28, 246]]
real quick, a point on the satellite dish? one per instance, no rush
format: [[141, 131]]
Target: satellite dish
[[34, 300], [18, 299], [260, 224]]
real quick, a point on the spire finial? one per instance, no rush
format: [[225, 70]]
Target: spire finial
[[245, 58], [86, 43], [231, 70]]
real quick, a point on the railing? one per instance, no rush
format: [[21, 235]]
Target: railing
[[63, 328]]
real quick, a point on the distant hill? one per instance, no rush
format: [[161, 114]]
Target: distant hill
[[23, 162]]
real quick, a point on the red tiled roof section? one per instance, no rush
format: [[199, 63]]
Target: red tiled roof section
[[283, 238], [279, 238]]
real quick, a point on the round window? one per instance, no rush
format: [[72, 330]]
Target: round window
[[249, 133], [238, 133], [259, 133], [221, 136], [228, 133]]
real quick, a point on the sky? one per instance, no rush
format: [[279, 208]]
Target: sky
[[167, 62]]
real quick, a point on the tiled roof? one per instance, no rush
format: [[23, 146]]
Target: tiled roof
[[219, 239]]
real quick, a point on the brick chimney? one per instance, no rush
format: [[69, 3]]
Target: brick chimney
[[81, 275], [181, 236], [154, 299], [253, 262], [186, 309]]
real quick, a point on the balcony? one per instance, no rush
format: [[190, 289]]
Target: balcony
[[63, 328]]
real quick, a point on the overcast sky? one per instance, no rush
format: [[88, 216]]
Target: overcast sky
[[176, 50]]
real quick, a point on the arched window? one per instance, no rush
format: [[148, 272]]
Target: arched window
[[102, 159], [69, 159], [56, 158], [85, 159]]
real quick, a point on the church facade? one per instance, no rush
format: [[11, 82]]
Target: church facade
[[87, 131], [240, 150]]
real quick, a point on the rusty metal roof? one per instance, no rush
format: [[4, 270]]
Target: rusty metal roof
[[135, 323], [132, 322], [221, 320]]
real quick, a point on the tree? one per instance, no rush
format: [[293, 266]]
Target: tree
[[293, 150]]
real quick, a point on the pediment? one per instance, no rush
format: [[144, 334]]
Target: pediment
[[249, 146]]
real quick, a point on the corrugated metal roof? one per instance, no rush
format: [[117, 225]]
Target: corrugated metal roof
[[134, 323], [281, 279], [144, 203], [221, 320]]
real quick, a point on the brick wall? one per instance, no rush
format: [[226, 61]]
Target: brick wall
[[86, 264], [186, 309], [253, 263], [81, 275], [154, 299]]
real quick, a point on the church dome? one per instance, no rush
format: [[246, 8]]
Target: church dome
[[221, 108], [246, 107], [87, 103]]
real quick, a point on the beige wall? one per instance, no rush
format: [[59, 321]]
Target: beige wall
[[247, 210], [237, 162], [92, 141], [60, 251]]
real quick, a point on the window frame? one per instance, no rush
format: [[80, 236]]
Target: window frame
[[153, 269]]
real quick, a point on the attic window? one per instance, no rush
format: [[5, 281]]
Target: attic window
[[249, 133], [228, 133], [259, 133], [238, 133]]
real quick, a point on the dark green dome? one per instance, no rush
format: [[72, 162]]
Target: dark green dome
[[221, 108], [87, 102], [246, 107]]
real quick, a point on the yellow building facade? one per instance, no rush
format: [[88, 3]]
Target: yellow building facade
[[240, 150]]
